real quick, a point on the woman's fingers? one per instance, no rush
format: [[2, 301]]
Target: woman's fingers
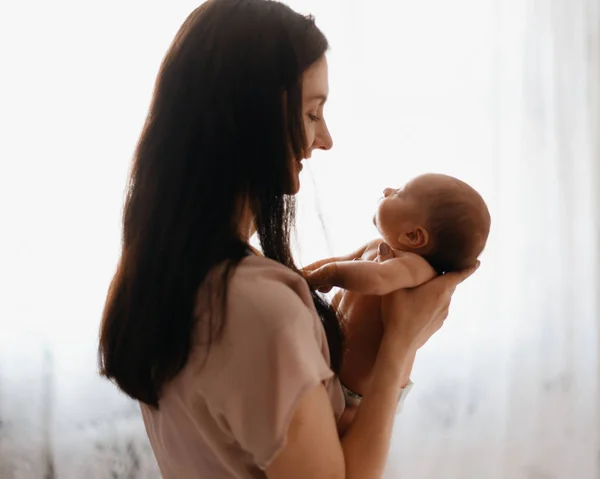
[[449, 281], [460, 276]]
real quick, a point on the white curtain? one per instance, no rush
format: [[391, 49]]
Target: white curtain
[[501, 93]]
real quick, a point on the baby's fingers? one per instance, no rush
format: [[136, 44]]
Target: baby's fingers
[[320, 278], [324, 289]]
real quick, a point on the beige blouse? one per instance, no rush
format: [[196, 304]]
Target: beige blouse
[[226, 414]]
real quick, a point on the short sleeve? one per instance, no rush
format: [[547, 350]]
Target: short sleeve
[[403, 396], [272, 354]]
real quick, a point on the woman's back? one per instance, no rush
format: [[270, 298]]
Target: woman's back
[[247, 383]]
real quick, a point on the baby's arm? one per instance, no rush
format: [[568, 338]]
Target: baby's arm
[[368, 277], [349, 257]]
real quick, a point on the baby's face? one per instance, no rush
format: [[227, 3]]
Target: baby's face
[[398, 211], [413, 218], [401, 211]]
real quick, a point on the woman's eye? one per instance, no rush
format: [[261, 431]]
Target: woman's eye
[[313, 117]]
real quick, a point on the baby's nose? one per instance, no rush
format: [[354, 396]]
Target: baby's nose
[[387, 192]]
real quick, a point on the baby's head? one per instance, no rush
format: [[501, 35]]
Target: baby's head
[[438, 217]]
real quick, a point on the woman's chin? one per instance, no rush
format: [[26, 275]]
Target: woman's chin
[[293, 185]]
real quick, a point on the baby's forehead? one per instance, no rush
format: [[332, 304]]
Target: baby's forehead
[[431, 189], [433, 180], [428, 185]]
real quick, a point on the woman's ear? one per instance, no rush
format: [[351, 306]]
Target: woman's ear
[[416, 239]]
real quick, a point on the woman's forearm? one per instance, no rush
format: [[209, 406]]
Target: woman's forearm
[[366, 442], [348, 377], [408, 370], [350, 412]]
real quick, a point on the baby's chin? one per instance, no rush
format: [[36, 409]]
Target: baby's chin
[[377, 225]]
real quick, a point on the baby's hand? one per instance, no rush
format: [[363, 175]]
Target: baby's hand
[[323, 278]]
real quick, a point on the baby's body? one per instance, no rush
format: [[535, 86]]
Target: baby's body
[[362, 311], [364, 282], [435, 224]]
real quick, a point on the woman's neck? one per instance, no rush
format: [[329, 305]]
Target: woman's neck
[[247, 230], [247, 224]]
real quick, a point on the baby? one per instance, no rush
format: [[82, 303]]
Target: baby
[[435, 224]]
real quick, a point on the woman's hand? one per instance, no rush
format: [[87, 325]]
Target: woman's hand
[[415, 314]]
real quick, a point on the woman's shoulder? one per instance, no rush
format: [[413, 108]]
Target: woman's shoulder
[[260, 292], [268, 310], [266, 286], [254, 270]]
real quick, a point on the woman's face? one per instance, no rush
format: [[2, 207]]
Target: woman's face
[[315, 88]]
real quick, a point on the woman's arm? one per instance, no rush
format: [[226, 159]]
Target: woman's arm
[[350, 411], [313, 447]]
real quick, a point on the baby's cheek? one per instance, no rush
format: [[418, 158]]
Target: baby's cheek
[[384, 217]]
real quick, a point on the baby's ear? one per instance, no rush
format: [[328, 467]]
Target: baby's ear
[[417, 238]]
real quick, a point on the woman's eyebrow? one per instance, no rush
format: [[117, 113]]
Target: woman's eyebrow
[[319, 96]]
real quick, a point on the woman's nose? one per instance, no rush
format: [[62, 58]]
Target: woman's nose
[[323, 141], [387, 192]]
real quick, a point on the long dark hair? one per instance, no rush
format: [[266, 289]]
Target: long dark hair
[[224, 124]]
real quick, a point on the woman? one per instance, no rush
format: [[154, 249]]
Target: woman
[[234, 360]]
